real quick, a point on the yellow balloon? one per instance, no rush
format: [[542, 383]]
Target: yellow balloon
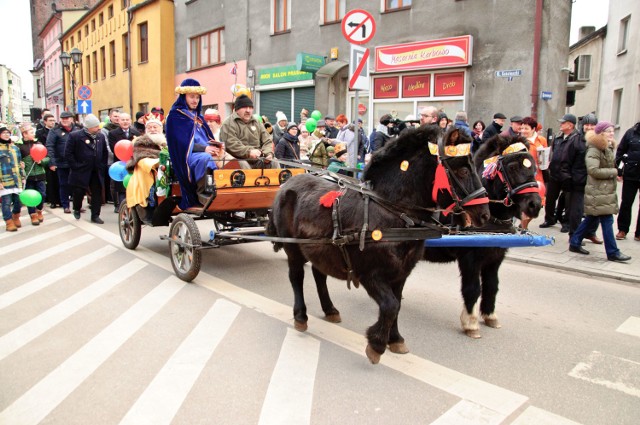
[[242, 91]]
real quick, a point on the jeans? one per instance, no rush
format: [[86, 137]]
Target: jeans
[[629, 190], [7, 200], [39, 186], [65, 189], [606, 221]]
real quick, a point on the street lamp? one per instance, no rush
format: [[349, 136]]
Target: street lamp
[[71, 62]]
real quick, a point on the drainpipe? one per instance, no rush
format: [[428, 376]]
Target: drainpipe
[[129, 19], [536, 58]]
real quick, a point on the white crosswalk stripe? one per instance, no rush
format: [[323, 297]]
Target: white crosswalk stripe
[[26, 333], [631, 326], [42, 239], [42, 398], [48, 222], [161, 400]]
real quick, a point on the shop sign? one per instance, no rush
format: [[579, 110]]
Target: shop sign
[[449, 84], [282, 74], [416, 85], [442, 53], [309, 63], [386, 87]]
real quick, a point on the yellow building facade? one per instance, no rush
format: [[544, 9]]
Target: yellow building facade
[[127, 56]]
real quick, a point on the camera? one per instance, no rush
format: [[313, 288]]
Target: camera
[[398, 125]]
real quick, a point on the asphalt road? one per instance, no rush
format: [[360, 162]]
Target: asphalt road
[[93, 333]]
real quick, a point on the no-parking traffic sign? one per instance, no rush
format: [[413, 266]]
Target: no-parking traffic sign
[[358, 26]]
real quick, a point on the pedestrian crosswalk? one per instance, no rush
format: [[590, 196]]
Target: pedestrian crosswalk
[[283, 390]]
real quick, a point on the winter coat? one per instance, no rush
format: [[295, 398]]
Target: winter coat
[[240, 137], [11, 175], [492, 129], [573, 171], [379, 140], [36, 171], [600, 196], [86, 154], [288, 148], [347, 135], [462, 125], [629, 146], [318, 153], [56, 143]]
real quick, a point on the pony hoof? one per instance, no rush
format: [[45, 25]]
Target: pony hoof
[[373, 355], [300, 326], [473, 333], [492, 323], [398, 348], [333, 318]]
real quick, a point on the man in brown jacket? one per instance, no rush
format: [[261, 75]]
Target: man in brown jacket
[[246, 138]]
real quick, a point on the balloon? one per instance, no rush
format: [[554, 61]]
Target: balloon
[[106, 120], [257, 117], [30, 197], [316, 115], [242, 91], [125, 182], [45, 161], [101, 124], [124, 150], [238, 89], [118, 171], [311, 124], [38, 152]]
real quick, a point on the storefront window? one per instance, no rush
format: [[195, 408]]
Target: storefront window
[[449, 107], [398, 110], [361, 112]]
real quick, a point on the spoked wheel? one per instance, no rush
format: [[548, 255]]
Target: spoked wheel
[[129, 226], [184, 246]]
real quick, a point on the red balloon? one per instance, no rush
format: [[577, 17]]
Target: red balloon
[[124, 150], [38, 152]]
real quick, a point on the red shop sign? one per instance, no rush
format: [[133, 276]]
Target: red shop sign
[[450, 84], [442, 53], [384, 88], [416, 85]]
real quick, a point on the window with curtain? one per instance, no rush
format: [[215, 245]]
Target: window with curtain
[[334, 10], [94, 64], [280, 16], [390, 5], [112, 58], [125, 51], [207, 49], [143, 31], [103, 62]]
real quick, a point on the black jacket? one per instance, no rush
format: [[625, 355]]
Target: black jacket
[[629, 153], [288, 147], [573, 169], [56, 143], [493, 129], [118, 134], [84, 154], [379, 140]]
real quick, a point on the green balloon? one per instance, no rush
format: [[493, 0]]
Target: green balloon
[[257, 117], [316, 115], [125, 181], [30, 198], [311, 124]]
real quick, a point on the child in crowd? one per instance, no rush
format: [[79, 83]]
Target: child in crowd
[[11, 180]]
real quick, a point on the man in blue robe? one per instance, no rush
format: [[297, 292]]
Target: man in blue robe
[[191, 144]]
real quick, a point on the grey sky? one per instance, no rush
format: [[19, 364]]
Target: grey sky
[[16, 52]]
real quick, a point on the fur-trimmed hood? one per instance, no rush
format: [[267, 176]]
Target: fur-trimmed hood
[[598, 141], [146, 146]]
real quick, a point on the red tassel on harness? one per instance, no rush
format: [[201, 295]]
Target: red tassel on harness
[[329, 198]]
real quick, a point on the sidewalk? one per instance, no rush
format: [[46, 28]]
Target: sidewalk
[[596, 264]]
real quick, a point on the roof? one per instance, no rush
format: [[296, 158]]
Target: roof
[[602, 32]]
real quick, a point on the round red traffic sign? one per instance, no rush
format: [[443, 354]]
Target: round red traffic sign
[[361, 108], [84, 93], [358, 26]]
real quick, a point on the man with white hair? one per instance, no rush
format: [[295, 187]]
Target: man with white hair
[[461, 122], [86, 154]]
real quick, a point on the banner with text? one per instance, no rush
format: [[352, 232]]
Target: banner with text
[[442, 53]]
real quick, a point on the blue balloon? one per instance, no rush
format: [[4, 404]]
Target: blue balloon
[[118, 171]]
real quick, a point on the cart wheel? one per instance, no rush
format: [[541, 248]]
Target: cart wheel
[[129, 226], [184, 259]]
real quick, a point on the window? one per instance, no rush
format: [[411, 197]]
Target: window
[[390, 5], [124, 4], [143, 107], [112, 56], [101, 18], [110, 12], [95, 66], [333, 10], [280, 16], [87, 61], [93, 25], [79, 34], [71, 42], [86, 30], [617, 105], [39, 87], [143, 31], [582, 66], [624, 34], [125, 51], [103, 62], [207, 49]]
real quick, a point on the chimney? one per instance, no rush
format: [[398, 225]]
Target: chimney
[[585, 31]]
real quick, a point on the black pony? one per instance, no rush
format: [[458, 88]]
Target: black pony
[[401, 180], [513, 190]]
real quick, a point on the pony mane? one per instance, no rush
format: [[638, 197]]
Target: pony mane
[[494, 146]]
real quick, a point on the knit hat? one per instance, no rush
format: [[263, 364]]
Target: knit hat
[[139, 115], [3, 127], [212, 115], [280, 116], [321, 123], [331, 149], [292, 125], [243, 101], [91, 121], [602, 126], [340, 153]]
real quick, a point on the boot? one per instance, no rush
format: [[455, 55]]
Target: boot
[[34, 219], [16, 219], [11, 226], [40, 217]]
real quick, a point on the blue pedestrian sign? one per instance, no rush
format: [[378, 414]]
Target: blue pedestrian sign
[[84, 106], [546, 95]]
